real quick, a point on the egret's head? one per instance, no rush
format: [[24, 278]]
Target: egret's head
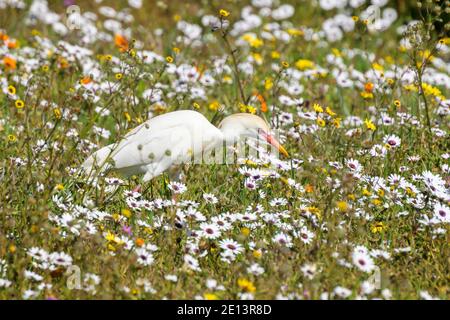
[[249, 125]]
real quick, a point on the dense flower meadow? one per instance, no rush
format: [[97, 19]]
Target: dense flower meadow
[[357, 89]]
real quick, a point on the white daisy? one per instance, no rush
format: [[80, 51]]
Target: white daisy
[[255, 269], [210, 230], [309, 270], [230, 245], [363, 261], [144, 257], [392, 141], [304, 235], [210, 198], [441, 213], [283, 239], [177, 187], [191, 262]]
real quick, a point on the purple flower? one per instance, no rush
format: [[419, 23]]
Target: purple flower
[[127, 230], [68, 3]]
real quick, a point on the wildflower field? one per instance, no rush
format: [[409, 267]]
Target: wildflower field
[[357, 90]]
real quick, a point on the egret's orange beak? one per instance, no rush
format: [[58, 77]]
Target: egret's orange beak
[[270, 139]]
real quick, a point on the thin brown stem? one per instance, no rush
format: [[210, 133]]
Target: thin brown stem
[[235, 66]]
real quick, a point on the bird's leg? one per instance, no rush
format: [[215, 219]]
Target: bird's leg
[[148, 175], [136, 180], [175, 173], [185, 173]]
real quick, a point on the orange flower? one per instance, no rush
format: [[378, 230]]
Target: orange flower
[[262, 101], [200, 69], [140, 242], [368, 87], [86, 80], [121, 42], [12, 44], [9, 63], [3, 36], [63, 63]]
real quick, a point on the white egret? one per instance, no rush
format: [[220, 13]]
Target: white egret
[[174, 138]]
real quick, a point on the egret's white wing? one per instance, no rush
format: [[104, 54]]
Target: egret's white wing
[[158, 143], [168, 146], [169, 120]]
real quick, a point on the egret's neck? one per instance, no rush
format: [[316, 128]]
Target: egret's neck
[[230, 135]]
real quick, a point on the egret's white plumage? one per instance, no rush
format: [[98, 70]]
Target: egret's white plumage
[[172, 138]]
